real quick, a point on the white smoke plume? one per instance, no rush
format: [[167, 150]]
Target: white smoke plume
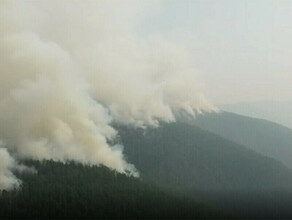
[[70, 68], [8, 180]]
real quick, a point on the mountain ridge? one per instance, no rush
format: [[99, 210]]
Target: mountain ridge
[[265, 137]]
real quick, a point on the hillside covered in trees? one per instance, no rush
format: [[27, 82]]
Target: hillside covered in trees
[[184, 155], [185, 172], [211, 168], [76, 191]]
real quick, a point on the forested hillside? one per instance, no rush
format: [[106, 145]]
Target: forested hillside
[[186, 156], [211, 169], [182, 169], [77, 191]]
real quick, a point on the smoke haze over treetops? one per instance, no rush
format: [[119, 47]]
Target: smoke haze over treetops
[[70, 68]]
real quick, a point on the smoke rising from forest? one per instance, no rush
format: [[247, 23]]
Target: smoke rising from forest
[[68, 69]]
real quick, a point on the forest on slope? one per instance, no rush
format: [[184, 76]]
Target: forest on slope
[[184, 155], [211, 168], [185, 172], [76, 191]]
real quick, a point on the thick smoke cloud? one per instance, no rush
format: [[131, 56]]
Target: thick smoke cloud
[[7, 164], [68, 69]]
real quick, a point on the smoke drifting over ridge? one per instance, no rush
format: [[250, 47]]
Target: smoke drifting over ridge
[[70, 68]]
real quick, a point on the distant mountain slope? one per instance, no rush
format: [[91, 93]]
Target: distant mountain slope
[[280, 112], [263, 136], [74, 191], [186, 156]]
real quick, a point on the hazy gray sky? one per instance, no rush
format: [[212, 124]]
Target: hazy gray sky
[[242, 48]]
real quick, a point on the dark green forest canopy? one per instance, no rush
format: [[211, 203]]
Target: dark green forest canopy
[[75, 191], [184, 155], [186, 172], [211, 169]]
